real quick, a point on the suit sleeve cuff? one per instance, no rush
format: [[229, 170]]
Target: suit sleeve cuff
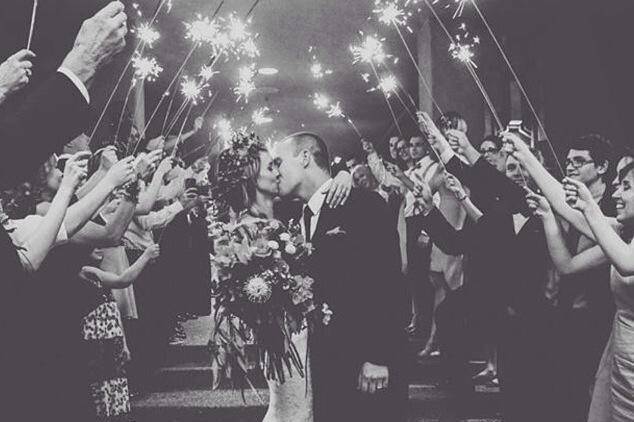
[[76, 81]]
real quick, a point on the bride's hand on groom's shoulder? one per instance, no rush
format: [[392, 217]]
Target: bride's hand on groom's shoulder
[[339, 189], [373, 378]]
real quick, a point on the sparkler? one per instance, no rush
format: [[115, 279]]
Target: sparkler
[[318, 71], [225, 131], [146, 68], [260, 116], [202, 30], [32, 26], [390, 14], [191, 90], [207, 72], [321, 101], [245, 85], [333, 110], [460, 5], [519, 85], [369, 51], [146, 34]]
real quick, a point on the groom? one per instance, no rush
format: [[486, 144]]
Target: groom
[[357, 359]]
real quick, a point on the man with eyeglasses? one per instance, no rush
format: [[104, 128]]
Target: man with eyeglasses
[[585, 307]]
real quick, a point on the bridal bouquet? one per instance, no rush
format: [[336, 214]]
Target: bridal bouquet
[[262, 293]]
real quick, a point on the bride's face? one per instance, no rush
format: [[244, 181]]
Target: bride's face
[[267, 179]]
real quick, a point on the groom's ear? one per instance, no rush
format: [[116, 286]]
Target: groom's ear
[[305, 157]]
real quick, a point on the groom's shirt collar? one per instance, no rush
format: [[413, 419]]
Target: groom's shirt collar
[[317, 200]]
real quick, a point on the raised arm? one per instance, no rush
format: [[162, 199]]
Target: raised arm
[[549, 186], [619, 253], [565, 262], [125, 279], [96, 235], [378, 169], [148, 196], [36, 246], [82, 211]]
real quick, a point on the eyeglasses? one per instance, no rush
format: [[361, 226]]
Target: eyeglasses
[[577, 162], [485, 151]]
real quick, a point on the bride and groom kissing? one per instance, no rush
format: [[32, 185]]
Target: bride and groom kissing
[[355, 365]]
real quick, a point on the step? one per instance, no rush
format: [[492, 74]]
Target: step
[[426, 402]]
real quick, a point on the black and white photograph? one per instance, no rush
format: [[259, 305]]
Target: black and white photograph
[[317, 210]]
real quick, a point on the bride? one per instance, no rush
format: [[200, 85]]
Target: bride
[[248, 185]]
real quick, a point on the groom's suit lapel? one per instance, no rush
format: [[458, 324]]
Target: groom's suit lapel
[[327, 219]]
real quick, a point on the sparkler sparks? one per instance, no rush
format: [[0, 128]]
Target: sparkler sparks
[[260, 116], [249, 48], [146, 68], [225, 130], [388, 85], [236, 28], [460, 5], [202, 30], [191, 89], [207, 72], [147, 34], [463, 53], [245, 85], [370, 51], [321, 101], [390, 13], [334, 110], [318, 71]]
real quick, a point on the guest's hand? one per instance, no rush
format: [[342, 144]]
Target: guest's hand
[[453, 184], [367, 146], [198, 123], [189, 198], [100, 38], [15, 73], [108, 158], [75, 171], [578, 195], [339, 190], [515, 146], [395, 170], [164, 167], [458, 141], [147, 162], [373, 378], [424, 197], [538, 204], [121, 172], [152, 252], [434, 136]]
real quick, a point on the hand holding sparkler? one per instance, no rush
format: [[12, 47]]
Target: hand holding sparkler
[[367, 146], [100, 38], [15, 73], [460, 143], [434, 136], [198, 123]]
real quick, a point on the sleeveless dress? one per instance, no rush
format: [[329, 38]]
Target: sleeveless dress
[[292, 401], [613, 395]]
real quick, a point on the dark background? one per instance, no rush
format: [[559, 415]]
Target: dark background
[[574, 57]]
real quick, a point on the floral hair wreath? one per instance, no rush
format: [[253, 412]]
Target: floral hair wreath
[[236, 162]]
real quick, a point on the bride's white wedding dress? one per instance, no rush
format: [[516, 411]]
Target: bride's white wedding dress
[[292, 401]]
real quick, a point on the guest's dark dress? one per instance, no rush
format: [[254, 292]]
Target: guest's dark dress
[[108, 384]]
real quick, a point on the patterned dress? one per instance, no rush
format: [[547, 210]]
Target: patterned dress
[[108, 383]]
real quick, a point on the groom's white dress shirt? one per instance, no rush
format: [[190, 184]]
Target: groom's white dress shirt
[[315, 203]]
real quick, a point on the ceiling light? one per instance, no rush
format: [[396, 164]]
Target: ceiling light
[[267, 71]]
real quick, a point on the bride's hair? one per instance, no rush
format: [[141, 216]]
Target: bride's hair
[[237, 171]]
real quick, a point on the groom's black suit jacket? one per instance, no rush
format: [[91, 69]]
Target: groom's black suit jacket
[[356, 267]]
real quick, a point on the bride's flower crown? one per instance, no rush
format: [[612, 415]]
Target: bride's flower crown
[[236, 163]]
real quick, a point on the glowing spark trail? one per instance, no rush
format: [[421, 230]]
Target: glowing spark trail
[[202, 30], [370, 51], [207, 72], [191, 90], [147, 34], [245, 85], [321, 101], [388, 85], [334, 110], [260, 116], [146, 68]]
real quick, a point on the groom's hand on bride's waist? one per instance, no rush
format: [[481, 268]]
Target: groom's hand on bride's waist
[[373, 378]]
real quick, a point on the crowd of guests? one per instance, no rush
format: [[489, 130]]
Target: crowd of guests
[[505, 261], [104, 251]]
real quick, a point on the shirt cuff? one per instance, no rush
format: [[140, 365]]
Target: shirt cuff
[[176, 207], [76, 81], [447, 155]]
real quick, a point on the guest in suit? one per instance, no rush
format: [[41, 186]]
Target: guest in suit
[[358, 358]]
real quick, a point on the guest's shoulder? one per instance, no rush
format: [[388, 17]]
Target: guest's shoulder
[[365, 200]]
